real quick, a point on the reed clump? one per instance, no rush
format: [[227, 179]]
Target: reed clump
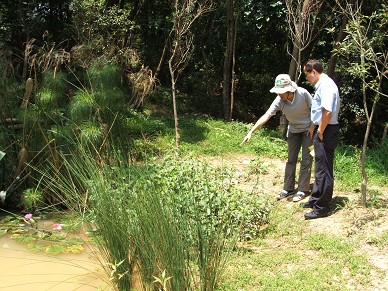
[[166, 225]]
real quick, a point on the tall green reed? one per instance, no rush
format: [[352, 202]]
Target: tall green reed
[[175, 218]]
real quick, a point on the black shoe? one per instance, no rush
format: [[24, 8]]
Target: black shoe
[[306, 205], [314, 215], [284, 194]]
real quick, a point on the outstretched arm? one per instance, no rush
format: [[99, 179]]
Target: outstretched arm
[[262, 120]]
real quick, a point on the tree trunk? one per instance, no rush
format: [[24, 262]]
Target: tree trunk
[[340, 37], [233, 82], [227, 78], [173, 89], [294, 67], [385, 132], [364, 182]]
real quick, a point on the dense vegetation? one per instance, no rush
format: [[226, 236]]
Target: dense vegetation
[[87, 93], [177, 216]]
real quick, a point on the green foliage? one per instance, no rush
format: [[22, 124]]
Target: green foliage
[[346, 167], [103, 32], [341, 252], [81, 107], [45, 98], [376, 199], [362, 66], [91, 133], [105, 77], [177, 215], [32, 200]]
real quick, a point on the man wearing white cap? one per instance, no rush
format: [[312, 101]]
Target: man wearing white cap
[[295, 103]]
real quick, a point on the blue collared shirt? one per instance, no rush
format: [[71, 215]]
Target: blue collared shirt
[[326, 96]]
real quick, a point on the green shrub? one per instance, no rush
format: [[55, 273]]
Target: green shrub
[[177, 217], [32, 200]]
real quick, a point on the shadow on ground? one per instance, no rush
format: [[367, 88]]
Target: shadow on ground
[[338, 203]]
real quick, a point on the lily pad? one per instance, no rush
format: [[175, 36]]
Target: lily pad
[[54, 250], [23, 238], [73, 241], [8, 218], [36, 247], [42, 234], [74, 249], [57, 236]]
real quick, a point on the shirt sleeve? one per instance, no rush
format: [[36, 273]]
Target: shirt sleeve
[[328, 98], [308, 98], [275, 106]]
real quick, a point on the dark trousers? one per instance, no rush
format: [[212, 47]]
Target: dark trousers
[[322, 192]]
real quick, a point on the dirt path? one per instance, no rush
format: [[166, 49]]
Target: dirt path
[[351, 222]]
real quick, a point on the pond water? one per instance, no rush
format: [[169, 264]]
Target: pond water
[[23, 269]]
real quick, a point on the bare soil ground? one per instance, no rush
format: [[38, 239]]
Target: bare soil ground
[[351, 221]]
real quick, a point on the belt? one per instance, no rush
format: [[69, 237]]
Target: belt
[[316, 126]]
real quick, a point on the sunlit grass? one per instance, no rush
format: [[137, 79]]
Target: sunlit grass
[[288, 257]]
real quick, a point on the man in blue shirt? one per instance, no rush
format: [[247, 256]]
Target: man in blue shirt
[[325, 131]]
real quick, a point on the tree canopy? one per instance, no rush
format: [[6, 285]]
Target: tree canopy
[[89, 63]]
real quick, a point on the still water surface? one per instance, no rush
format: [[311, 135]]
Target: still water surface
[[22, 269]]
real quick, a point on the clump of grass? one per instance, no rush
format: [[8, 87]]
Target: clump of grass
[[346, 169], [340, 252], [380, 241], [376, 199], [32, 199], [178, 217]]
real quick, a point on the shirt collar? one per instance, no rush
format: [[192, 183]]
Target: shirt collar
[[323, 76]]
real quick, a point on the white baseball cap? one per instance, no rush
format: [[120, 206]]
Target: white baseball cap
[[283, 84]]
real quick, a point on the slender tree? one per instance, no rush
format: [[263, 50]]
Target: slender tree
[[229, 61], [340, 37], [365, 47], [186, 12], [302, 21]]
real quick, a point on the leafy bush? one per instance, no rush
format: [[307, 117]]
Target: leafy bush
[[194, 187], [177, 217], [32, 200]]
